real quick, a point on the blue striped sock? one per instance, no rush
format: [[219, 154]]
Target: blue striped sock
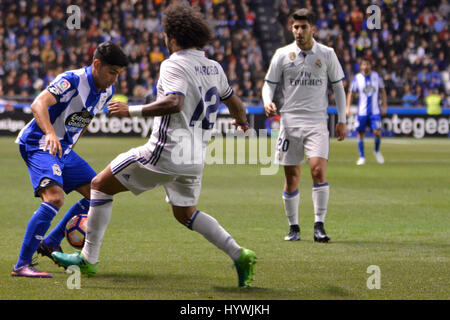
[[377, 144], [288, 195], [191, 219], [54, 238], [318, 185], [36, 229], [361, 147]]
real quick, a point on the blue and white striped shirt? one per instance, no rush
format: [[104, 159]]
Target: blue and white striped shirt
[[368, 88], [78, 100]]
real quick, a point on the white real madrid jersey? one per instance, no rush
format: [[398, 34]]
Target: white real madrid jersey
[[368, 88], [303, 77], [178, 141]]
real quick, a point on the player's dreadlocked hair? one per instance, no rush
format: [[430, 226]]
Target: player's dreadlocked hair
[[187, 26]]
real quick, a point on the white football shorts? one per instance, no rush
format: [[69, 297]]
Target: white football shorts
[[130, 169], [294, 143]]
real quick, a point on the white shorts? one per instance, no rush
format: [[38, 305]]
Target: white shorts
[[128, 168], [294, 143]]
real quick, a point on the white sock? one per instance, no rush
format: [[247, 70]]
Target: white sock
[[208, 227], [320, 195], [98, 219], [291, 201]]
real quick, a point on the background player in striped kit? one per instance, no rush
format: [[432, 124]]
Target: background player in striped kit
[[368, 84], [190, 89], [302, 69], [61, 114]]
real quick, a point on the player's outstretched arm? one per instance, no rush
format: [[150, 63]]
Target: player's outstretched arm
[[172, 103], [238, 112], [39, 107]]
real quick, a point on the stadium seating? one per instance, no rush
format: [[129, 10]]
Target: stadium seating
[[411, 48]]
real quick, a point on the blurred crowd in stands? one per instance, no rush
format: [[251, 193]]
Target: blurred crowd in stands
[[36, 45], [410, 50]]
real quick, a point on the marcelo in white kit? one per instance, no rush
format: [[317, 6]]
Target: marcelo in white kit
[[302, 69], [191, 88]]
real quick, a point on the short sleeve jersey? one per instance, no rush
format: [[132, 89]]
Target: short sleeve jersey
[[368, 88], [303, 77], [78, 101], [204, 85]]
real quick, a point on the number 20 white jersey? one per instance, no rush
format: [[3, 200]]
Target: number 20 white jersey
[[178, 141]]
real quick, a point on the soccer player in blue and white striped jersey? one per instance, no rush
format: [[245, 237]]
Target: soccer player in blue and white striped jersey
[[368, 84], [62, 113]]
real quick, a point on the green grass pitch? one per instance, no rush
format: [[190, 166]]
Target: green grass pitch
[[395, 216]]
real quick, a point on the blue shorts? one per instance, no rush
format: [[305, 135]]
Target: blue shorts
[[373, 121], [69, 172]]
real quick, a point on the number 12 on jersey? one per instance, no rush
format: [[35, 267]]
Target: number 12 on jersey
[[209, 111]]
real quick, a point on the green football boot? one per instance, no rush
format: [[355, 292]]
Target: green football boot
[[244, 267], [76, 259]]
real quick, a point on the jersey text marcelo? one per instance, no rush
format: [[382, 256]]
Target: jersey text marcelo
[[206, 70]]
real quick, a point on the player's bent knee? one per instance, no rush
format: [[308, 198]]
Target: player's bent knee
[[99, 182], [96, 183], [55, 197], [317, 173], [183, 214], [57, 202]]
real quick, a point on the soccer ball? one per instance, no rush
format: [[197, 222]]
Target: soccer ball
[[76, 230]]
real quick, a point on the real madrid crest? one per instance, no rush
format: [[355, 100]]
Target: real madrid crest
[[292, 56], [318, 63]]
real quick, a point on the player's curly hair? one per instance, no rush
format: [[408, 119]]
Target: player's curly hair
[[186, 25]]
